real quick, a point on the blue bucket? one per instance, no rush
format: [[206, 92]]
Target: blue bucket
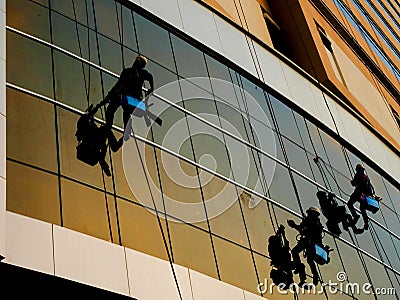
[[371, 204], [128, 100], [321, 256]]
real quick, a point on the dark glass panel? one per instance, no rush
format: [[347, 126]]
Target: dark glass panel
[[29, 64], [110, 55], [106, 17], [286, 122], [307, 193], [128, 28], [29, 17], [297, 158], [153, 42], [64, 33], [70, 81], [335, 154], [63, 7], [217, 70], [281, 189], [161, 75], [189, 61], [379, 277], [229, 223]]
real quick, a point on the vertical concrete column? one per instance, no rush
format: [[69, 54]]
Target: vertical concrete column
[[2, 127]]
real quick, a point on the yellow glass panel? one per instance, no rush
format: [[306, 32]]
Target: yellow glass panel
[[235, 265], [84, 209], [258, 223], [31, 131], [230, 223], [179, 183], [140, 229], [32, 193], [267, 288], [192, 248]]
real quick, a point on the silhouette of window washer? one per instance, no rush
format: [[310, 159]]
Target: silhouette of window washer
[[310, 230], [130, 84], [335, 214], [363, 187], [92, 141]]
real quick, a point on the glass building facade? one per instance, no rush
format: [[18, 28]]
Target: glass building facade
[[64, 55]]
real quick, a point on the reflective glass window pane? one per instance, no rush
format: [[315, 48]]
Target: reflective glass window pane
[[329, 271], [216, 69], [307, 192], [281, 189], [235, 265], [28, 17], [303, 130], [210, 147], [229, 222], [246, 166], [121, 184], [335, 154], [88, 44], [234, 121], [127, 28], [30, 125], [189, 61], [63, 7], [161, 75], [286, 121], [386, 244], [256, 103], [181, 189], [192, 248], [32, 193], [389, 219], [29, 64], [174, 133], [394, 194], [72, 82], [106, 17], [111, 55], [140, 229], [379, 277], [258, 221], [65, 35], [355, 272], [318, 147], [297, 158], [154, 42], [85, 209], [83, 11]]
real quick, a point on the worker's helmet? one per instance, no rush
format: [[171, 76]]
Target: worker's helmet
[[360, 167], [313, 209], [140, 61]]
